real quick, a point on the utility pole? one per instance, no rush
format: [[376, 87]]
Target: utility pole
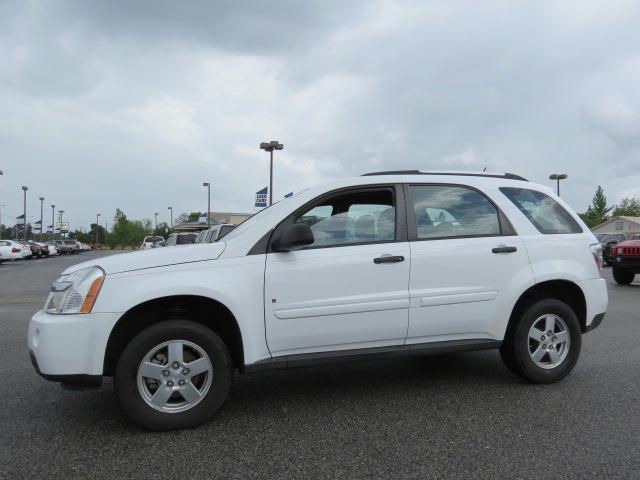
[[270, 147], [41, 217], [97, 225], [171, 209], [156, 214], [24, 189]]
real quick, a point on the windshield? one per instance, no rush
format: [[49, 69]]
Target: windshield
[[153, 239]]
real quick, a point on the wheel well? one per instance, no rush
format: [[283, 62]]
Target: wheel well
[[206, 311], [563, 290]]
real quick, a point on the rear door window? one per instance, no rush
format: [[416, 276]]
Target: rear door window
[[547, 215], [449, 211]]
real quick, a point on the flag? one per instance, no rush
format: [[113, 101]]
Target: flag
[[261, 197], [21, 217], [288, 195], [50, 228], [39, 226]]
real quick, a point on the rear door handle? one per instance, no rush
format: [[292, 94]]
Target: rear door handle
[[389, 259], [504, 249]]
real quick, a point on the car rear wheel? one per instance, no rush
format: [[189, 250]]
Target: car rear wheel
[[544, 344], [623, 277], [173, 375]]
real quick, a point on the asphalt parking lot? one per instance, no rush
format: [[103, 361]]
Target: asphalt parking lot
[[451, 416]]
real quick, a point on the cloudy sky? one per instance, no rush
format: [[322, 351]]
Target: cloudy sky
[[134, 104]]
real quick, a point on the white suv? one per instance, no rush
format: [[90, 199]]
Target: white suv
[[387, 264]]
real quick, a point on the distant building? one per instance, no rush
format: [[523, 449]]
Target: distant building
[[621, 224], [215, 218]]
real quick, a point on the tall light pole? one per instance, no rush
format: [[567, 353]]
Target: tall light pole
[[1, 173], [41, 217], [53, 222], [208, 185], [60, 222], [270, 147], [24, 211], [97, 225], [156, 214], [171, 209], [1, 205], [558, 177]]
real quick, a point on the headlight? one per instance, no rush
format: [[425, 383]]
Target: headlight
[[75, 293], [619, 250]]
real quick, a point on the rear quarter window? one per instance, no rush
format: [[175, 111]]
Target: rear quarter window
[[547, 215]]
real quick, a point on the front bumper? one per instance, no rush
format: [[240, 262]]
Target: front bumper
[[71, 346], [630, 263]]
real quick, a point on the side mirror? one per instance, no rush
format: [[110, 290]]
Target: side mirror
[[294, 237]]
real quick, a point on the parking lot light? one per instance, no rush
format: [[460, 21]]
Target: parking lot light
[[558, 177], [171, 209], [41, 217], [97, 224], [60, 222], [156, 214], [24, 190], [270, 147], [53, 222], [208, 185]]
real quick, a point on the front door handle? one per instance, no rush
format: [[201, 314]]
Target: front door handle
[[389, 259], [504, 249]]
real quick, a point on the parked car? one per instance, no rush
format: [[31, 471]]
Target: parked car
[[10, 250], [74, 246], [626, 261], [42, 248], [608, 240], [63, 247], [387, 264], [214, 234], [53, 249], [180, 239], [150, 240], [26, 250], [36, 250]]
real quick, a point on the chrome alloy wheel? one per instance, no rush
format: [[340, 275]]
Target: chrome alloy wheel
[[549, 341], [174, 376]]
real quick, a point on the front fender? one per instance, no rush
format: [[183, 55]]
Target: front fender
[[237, 283]]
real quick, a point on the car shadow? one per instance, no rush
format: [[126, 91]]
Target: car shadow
[[352, 386]]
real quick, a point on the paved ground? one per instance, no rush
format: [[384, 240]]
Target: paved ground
[[450, 416]]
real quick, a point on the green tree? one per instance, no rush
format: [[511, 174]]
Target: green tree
[[598, 211], [194, 216], [127, 233], [629, 207]]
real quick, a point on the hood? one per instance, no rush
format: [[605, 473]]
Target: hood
[[153, 258], [629, 243]]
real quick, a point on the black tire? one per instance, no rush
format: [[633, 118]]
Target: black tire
[[515, 347], [126, 386], [623, 277]]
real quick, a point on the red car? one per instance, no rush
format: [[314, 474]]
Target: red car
[[625, 258]]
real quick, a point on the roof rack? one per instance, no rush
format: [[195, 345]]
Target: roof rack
[[509, 176]]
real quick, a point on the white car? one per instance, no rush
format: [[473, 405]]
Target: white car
[[53, 249], [150, 241], [389, 264], [214, 234], [10, 250]]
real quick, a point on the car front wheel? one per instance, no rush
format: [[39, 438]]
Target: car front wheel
[[173, 375], [544, 344]]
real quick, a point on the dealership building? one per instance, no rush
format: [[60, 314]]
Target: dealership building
[[620, 224]]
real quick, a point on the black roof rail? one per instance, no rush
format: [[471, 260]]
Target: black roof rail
[[510, 176]]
